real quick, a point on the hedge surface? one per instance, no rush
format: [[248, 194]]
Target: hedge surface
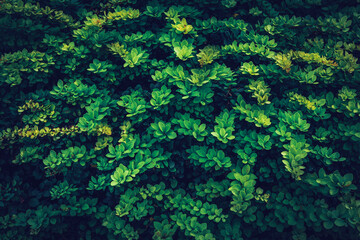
[[203, 119]]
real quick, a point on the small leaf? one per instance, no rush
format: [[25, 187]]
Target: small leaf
[[162, 126], [172, 135]]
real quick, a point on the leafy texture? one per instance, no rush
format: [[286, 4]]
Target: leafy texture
[[203, 119]]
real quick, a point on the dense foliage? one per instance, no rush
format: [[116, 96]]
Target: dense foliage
[[203, 119]]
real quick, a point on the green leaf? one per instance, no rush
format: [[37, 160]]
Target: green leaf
[[159, 197], [246, 170], [222, 132], [162, 126], [172, 135], [203, 211], [339, 222], [328, 225]]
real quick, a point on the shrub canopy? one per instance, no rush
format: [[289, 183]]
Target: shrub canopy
[[203, 119]]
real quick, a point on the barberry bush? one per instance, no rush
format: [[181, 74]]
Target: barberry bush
[[202, 119]]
